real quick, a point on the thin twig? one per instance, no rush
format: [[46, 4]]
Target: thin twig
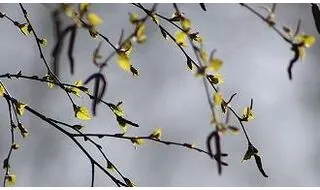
[[37, 39], [47, 120]]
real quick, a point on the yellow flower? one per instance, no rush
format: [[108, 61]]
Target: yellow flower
[[156, 134], [198, 39], [124, 128], [181, 38], [81, 112], [2, 90], [215, 64], [118, 110], [50, 79], [94, 19], [67, 9], [84, 7], [302, 52], [74, 90], [155, 19], [11, 179], [307, 40], [185, 23], [140, 33], [20, 108], [134, 18], [43, 42], [248, 114], [217, 98], [25, 28], [217, 79], [124, 61], [137, 141]]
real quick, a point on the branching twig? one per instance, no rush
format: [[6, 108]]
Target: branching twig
[[37, 39], [97, 96], [294, 45], [49, 121], [163, 30]]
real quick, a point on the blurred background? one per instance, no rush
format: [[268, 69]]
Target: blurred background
[[166, 95]]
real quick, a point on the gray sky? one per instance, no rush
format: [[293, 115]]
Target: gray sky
[[166, 95]]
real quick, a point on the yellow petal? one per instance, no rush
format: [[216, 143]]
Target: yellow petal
[[82, 113], [24, 28], [215, 64], [137, 141], [11, 179], [181, 38], [140, 141], [217, 98], [124, 61], [50, 79], [248, 113], [186, 23], [43, 42], [156, 134], [118, 110], [124, 128], [140, 34], [94, 19], [50, 85], [198, 39], [78, 83], [2, 90], [133, 18], [308, 40], [84, 7], [155, 19], [20, 107], [74, 90], [218, 78], [67, 9], [302, 52]]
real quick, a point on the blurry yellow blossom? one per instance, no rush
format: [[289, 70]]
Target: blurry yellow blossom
[[94, 19], [181, 38], [81, 112]]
